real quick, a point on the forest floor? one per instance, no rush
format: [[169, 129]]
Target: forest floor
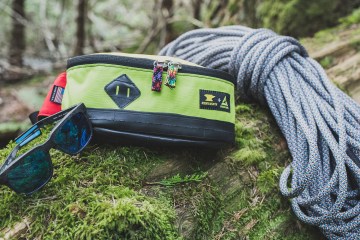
[[338, 51], [137, 193], [17, 101]]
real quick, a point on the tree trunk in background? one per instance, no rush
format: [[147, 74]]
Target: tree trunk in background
[[80, 29], [17, 39], [249, 9], [218, 13], [197, 8], [168, 6]]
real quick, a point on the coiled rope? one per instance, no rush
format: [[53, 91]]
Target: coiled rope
[[321, 124]]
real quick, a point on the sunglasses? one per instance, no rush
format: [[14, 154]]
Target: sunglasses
[[31, 171]]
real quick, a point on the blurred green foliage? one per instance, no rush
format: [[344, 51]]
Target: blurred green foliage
[[327, 62], [354, 18], [113, 25], [301, 18]]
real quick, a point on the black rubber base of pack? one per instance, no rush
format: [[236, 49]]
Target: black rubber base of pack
[[141, 128], [102, 135]]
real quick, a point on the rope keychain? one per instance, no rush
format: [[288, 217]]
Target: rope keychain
[[157, 76], [172, 70], [320, 123]]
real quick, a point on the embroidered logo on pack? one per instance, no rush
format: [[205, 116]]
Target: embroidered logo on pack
[[122, 91], [57, 94], [213, 100]]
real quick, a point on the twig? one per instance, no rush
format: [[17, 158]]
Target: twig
[[16, 230], [45, 30], [15, 15], [153, 183]]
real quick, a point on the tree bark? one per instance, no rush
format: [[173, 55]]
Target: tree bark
[[197, 8], [17, 39], [249, 8], [218, 9], [80, 30], [168, 6]]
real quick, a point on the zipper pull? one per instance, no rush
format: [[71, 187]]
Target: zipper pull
[[157, 75], [173, 68]]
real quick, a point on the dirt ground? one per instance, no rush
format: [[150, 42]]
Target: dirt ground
[[11, 108], [17, 101]]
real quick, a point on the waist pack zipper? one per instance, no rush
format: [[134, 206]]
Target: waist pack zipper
[[172, 70], [159, 67], [143, 63]]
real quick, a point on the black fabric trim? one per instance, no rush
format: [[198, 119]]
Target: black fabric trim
[[173, 126], [144, 63], [101, 135]]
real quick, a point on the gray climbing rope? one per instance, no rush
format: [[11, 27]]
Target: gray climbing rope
[[320, 123]]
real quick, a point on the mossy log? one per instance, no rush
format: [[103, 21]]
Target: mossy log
[[338, 51], [122, 192], [118, 192]]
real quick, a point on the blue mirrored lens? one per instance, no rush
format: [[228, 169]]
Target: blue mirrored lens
[[74, 135], [30, 173]]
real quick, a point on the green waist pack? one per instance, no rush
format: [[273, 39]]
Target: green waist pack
[[146, 99]]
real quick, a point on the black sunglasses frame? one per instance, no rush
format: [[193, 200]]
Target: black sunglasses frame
[[32, 133]]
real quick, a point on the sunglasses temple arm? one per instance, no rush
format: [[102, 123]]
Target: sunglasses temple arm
[[11, 157], [34, 131], [30, 138], [55, 117]]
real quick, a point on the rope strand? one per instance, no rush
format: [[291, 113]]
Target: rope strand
[[321, 124]]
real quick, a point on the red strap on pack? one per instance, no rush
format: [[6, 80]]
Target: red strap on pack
[[52, 102]]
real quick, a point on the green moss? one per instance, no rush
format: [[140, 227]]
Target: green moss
[[268, 180], [249, 156], [104, 213], [243, 108], [100, 194], [257, 210], [209, 214], [92, 196], [250, 147], [204, 206]]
